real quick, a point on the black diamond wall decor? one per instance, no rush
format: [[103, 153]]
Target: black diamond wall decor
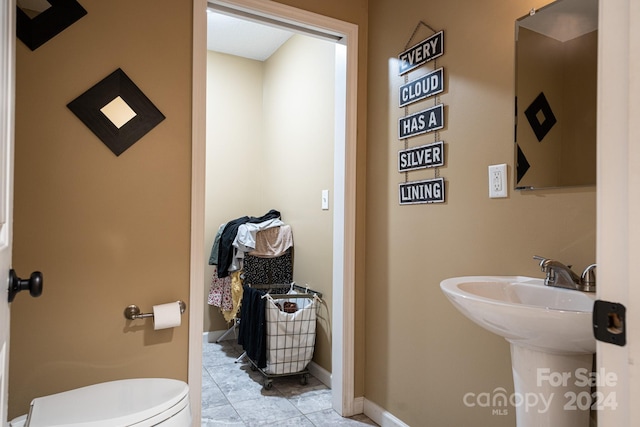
[[522, 164], [36, 27], [540, 105], [116, 111]]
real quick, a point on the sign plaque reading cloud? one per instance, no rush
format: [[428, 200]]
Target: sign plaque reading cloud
[[421, 88]]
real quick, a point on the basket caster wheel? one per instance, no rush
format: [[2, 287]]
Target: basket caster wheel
[[304, 380], [268, 385]]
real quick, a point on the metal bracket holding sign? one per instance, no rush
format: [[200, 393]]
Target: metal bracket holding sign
[[609, 322]]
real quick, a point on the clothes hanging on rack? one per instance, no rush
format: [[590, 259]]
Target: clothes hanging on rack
[[245, 240], [252, 331], [225, 251], [220, 291], [213, 258], [273, 242], [259, 270]]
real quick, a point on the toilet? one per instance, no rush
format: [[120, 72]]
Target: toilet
[[140, 402]]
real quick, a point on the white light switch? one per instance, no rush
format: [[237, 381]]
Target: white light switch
[[325, 200]]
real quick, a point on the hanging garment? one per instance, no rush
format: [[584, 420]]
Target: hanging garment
[[236, 296], [273, 242], [246, 240], [220, 292], [225, 252], [252, 331], [213, 258], [263, 271]]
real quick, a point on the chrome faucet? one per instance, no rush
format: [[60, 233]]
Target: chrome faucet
[[561, 276]]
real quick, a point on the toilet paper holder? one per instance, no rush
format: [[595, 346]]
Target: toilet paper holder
[[132, 312]]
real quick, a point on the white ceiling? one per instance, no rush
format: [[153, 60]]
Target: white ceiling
[[243, 38], [564, 19]]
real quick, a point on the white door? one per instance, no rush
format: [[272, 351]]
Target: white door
[[7, 79]]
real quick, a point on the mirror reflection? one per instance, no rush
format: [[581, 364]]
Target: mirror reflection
[[33, 8], [556, 83]]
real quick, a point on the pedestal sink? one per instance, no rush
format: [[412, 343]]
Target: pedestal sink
[[552, 343]]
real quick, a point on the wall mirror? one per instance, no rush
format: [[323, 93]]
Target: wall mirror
[[556, 87]]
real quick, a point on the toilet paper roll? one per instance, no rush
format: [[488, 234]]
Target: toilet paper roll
[[166, 315]]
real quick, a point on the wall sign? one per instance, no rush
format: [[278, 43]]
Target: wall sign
[[425, 191], [421, 122], [425, 51], [429, 84], [422, 88], [424, 156]]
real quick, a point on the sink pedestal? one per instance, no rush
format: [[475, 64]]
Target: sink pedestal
[[551, 389]]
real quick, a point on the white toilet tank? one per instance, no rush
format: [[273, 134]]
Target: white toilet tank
[[140, 402]]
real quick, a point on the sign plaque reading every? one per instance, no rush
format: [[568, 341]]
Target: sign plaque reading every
[[425, 191], [422, 88], [421, 122], [425, 51], [424, 156]]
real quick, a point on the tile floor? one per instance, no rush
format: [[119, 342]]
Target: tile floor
[[233, 395]]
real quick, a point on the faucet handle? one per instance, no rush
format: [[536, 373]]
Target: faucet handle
[[542, 260]]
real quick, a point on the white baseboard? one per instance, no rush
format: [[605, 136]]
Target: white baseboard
[[381, 416], [320, 373]]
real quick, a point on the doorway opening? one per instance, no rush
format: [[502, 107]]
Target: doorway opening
[[344, 35]]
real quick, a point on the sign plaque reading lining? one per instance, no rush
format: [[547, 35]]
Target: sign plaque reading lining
[[422, 157], [425, 191], [425, 51], [422, 88], [421, 122]]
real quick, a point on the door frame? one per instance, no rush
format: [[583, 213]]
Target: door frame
[[343, 322], [7, 129], [618, 206]]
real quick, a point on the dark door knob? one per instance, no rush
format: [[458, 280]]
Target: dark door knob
[[33, 284]]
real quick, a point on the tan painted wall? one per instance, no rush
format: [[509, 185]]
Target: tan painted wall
[[270, 145], [234, 153], [106, 231], [422, 356]]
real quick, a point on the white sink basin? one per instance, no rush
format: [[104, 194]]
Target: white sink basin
[[526, 312]]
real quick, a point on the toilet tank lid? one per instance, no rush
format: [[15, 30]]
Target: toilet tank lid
[[109, 404]]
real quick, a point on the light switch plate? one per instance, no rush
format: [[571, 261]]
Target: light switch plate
[[325, 200]]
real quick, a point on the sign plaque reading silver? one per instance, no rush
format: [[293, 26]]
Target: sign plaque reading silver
[[421, 122], [425, 191], [421, 88], [425, 51], [424, 156]]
